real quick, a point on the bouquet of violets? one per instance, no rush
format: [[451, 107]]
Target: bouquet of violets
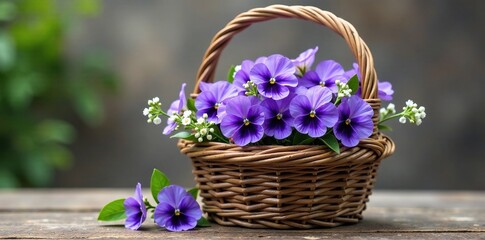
[[276, 100]]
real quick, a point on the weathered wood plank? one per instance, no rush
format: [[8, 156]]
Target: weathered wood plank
[[45, 214], [94, 199], [377, 222], [60, 199]]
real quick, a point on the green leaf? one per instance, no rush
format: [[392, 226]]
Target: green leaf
[[87, 7], [331, 141], [113, 211], [53, 130], [157, 183], [384, 127], [194, 192], [191, 104], [7, 11], [230, 74], [203, 222], [353, 84], [183, 135], [7, 51], [302, 139]]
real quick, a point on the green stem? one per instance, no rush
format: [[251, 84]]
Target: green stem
[[386, 118]]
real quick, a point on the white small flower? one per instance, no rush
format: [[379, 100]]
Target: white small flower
[[209, 137], [423, 115], [200, 140], [205, 115], [391, 107], [150, 115], [417, 115], [418, 122], [200, 120], [402, 120], [409, 103], [157, 120], [172, 118], [245, 85], [236, 69], [146, 112], [212, 123], [383, 111], [186, 121], [211, 130], [414, 110], [156, 100], [187, 113], [149, 121], [203, 131], [197, 135], [422, 109], [337, 82]]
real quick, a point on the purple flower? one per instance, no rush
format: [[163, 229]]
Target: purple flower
[[350, 73], [325, 75], [313, 111], [176, 107], [177, 210], [305, 60], [135, 209], [243, 120], [274, 77], [354, 122], [242, 76], [213, 95], [385, 88], [278, 120]]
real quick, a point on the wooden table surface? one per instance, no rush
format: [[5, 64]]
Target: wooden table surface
[[72, 213]]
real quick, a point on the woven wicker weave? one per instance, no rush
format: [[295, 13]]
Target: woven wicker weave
[[286, 187]]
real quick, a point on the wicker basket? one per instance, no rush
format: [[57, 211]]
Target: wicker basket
[[287, 187]]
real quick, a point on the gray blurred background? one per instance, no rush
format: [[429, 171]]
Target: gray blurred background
[[431, 51]]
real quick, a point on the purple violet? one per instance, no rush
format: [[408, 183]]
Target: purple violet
[[213, 95], [274, 77], [135, 210], [177, 210], [313, 112], [354, 122], [243, 120], [305, 60], [325, 75], [242, 76], [176, 107], [278, 120], [385, 88]]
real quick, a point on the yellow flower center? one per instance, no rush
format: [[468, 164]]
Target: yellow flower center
[[322, 83], [177, 212], [216, 106], [312, 113], [246, 122], [279, 116], [347, 122], [272, 81]]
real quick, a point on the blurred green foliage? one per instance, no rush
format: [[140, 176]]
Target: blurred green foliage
[[40, 88]]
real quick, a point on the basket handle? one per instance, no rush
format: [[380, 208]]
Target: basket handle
[[242, 21]]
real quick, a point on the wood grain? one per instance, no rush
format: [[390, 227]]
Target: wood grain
[[68, 214]]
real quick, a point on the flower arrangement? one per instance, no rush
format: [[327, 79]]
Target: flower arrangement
[[276, 100], [273, 100]]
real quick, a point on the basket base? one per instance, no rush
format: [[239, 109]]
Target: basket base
[[287, 224]]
